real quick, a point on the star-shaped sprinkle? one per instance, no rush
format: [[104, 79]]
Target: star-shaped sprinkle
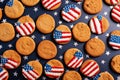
[[43, 37], [111, 7], [118, 78], [96, 37], [103, 61], [57, 78], [107, 35], [118, 25], [67, 70], [87, 56], [35, 9], [75, 44], [66, 2], [1, 1], [10, 45], [59, 22], [1, 46], [4, 21], [43, 78], [37, 59], [33, 37], [71, 26], [17, 35], [107, 53], [15, 74], [87, 17], [105, 13], [25, 57], [61, 57], [55, 13], [60, 46], [79, 3], [86, 79]]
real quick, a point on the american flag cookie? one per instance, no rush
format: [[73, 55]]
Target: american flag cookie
[[115, 13], [45, 23], [25, 45], [73, 58], [51, 4], [112, 2], [72, 75], [99, 24], [14, 9], [25, 26], [81, 32], [103, 76], [54, 68], [62, 34], [47, 49], [0, 13], [32, 70], [114, 39], [90, 68], [71, 13], [95, 47], [30, 2], [3, 74], [10, 59]]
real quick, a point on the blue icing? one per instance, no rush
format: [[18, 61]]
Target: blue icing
[[3, 60], [96, 77], [57, 34], [10, 3], [99, 17], [115, 39], [27, 67], [1, 69], [48, 67], [67, 8], [78, 54]]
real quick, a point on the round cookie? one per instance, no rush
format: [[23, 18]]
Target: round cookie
[[103, 76], [115, 63], [112, 2], [45, 23], [62, 34], [54, 68], [90, 68], [95, 47], [99, 24], [115, 13], [73, 58], [25, 26], [81, 32], [92, 6], [47, 49], [32, 70], [30, 2], [72, 75], [114, 39], [10, 59], [71, 13], [51, 4], [0, 13], [7, 32], [25, 45], [14, 9], [3, 74]]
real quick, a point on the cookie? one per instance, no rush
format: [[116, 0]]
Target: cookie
[[54, 69], [7, 32], [32, 70], [0, 13], [115, 63], [90, 68], [115, 13], [25, 45], [30, 2], [47, 49], [25, 26], [71, 13], [103, 76], [99, 24], [95, 47], [62, 34], [51, 4], [73, 58], [14, 9], [3, 74], [10, 59], [45, 23], [72, 75], [114, 39], [81, 32], [112, 2], [92, 6]]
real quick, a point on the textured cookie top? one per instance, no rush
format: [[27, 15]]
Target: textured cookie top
[[30, 2]]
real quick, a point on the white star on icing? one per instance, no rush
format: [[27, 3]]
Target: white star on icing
[[33, 37], [75, 44], [118, 78], [107, 53], [103, 61], [60, 46], [61, 57], [15, 74], [86, 79], [25, 57], [71, 26], [105, 13], [17, 35], [4, 21], [59, 22], [87, 56], [10, 45], [87, 17], [118, 25], [55, 13], [111, 7], [66, 2], [1, 1], [35, 9], [1, 46], [107, 35], [43, 37]]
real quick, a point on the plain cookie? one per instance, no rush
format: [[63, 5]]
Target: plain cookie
[[25, 45], [32, 70], [92, 6], [45, 23], [72, 75], [4, 75], [30, 2], [81, 32], [7, 32], [47, 49], [0, 13]]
